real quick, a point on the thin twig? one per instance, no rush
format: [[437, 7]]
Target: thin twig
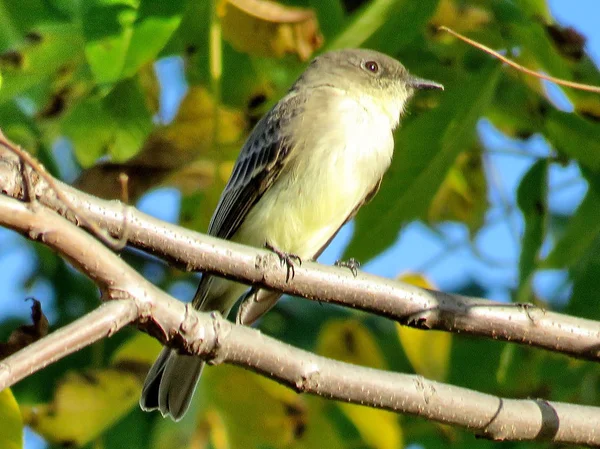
[[97, 324], [115, 243], [519, 67]]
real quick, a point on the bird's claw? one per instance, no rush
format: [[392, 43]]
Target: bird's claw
[[352, 264], [286, 259]]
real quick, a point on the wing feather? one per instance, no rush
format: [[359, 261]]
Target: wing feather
[[258, 166]]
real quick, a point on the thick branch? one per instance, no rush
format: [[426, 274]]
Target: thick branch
[[405, 303], [214, 338]]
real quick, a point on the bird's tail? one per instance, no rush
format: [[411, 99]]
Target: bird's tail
[[171, 382]]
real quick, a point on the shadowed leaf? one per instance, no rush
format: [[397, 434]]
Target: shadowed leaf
[[532, 197], [463, 194]]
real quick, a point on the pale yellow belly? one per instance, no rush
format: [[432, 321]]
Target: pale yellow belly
[[310, 202], [298, 217]]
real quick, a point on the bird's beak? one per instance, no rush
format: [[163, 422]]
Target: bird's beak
[[423, 84]]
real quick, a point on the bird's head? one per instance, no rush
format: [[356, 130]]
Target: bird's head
[[373, 78]]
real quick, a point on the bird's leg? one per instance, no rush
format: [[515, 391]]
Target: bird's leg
[[286, 259], [352, 264]]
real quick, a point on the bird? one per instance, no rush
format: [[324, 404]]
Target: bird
[[305, 170]]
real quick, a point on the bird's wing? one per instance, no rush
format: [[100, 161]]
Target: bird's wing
[[258, 166]]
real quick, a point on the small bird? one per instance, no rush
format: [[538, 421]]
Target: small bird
[[309, 164]]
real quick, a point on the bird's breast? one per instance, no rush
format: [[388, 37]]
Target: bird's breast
[[337, 162]]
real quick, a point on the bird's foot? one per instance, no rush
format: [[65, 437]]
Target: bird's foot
[[352, 264], [286, 259]]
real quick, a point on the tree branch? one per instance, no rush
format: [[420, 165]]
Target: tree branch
[[405, 303], [212, 337], [97, 324]]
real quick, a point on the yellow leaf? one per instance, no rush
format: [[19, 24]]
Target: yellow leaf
[[351, 342], [84, 406], [244, 410], [11, 429], [254, 410], [427, 351], [587, 105], [87, 403], [141, 348], [378, 428], [266, 28], [461, 17]]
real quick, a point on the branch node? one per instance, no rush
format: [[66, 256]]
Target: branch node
[[115, 293], [425, 387], [529, 308], [221, 329], [308, 379]]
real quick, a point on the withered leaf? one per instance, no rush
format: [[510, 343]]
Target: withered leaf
[[28, 333], [567, 40], [266, 28]]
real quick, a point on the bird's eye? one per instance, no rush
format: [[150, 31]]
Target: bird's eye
[[372, 66]]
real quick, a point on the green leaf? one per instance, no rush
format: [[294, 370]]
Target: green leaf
[[581, 233], [517, 110], [18, 17], [576, 137], [132, 120], [153, 27], [585, 274], [331, 16], [34, 62], [123, 35], [532, 196], [425, 150], [107, 27], [117, 124], [89, 128], [377, 25], [536, 46], [365, 23], [11, 430], [409, 16]]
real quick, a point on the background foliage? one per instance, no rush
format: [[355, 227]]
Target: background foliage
[[168, 91]]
